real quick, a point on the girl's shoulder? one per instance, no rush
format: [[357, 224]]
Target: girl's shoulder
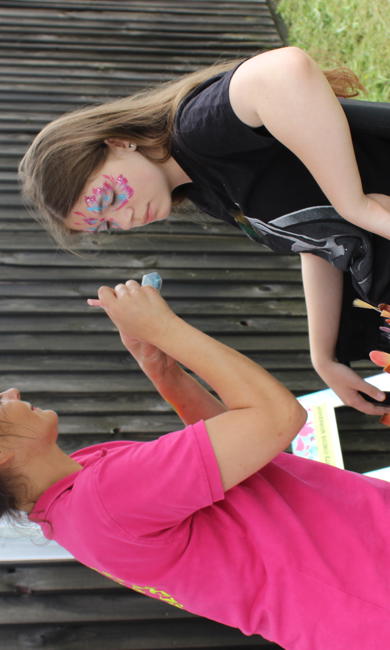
[[206, 124]]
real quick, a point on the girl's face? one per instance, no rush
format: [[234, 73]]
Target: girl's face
[[25, 429], [128, 191]]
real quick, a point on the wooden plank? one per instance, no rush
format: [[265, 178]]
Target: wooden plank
[[93, 323], [138, 239], [185, 308], [224, 291], [52, 578], [96, 342], [160, 635], [80, 384], [78, 608], [144, 260], [172, 277]]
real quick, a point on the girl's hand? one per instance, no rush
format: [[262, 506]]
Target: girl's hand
[[382, 359], [346, 383], [139, 313]]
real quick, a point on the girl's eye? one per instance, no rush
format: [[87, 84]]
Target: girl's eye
[[106, 201]]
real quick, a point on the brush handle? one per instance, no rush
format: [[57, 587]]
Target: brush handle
[[152, 280], [363, 305]]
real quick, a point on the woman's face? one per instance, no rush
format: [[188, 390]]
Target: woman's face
[[128, 191], [24, 428]]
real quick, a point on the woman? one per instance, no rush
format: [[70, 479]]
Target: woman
[[263, 144], [211, 518]]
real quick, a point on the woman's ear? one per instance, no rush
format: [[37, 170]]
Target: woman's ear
[[5, 458]]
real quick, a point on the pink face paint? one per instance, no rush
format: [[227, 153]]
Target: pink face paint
[[125, 192], [113, 193], [96, 224]]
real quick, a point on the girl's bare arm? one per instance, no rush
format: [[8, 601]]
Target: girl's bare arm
[[323, 285], [262, 415], [286, 91]]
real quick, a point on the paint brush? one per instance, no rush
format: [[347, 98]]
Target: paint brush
[[383, 308]]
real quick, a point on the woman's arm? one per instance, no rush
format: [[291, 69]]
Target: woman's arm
[[191, 401], [262, 415], [323, 286], [286, 91]]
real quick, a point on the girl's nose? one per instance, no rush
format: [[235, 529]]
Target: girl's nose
[[11, 393]]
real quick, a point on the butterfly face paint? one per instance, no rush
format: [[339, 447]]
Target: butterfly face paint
[[115, 194]]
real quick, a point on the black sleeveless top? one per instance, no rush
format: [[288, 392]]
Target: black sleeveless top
[[244, 176]]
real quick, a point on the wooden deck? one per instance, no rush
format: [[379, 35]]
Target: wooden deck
[[55, 56]]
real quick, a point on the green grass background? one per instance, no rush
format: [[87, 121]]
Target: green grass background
[[355, 33]]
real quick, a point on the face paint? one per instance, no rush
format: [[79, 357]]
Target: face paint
[[114, 193], [97, 224], [125, 192]]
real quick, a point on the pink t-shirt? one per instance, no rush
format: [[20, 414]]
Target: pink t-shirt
[[298, 553]]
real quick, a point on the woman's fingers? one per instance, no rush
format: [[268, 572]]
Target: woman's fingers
[[107, 293], [132, 285], [94, 302], [120, 289]]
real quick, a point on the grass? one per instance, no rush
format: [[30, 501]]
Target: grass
[[344, 32]]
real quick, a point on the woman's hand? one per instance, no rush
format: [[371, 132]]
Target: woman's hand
[[191, 400], [137, 312], [140, 314], [152, 361], [346, 383]]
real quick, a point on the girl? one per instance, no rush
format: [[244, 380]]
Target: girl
[[212, 518], [263, 144]]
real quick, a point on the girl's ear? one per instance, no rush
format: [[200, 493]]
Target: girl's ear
[[116, 144]]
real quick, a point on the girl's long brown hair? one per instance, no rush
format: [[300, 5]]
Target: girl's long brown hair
[[68, 150]]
